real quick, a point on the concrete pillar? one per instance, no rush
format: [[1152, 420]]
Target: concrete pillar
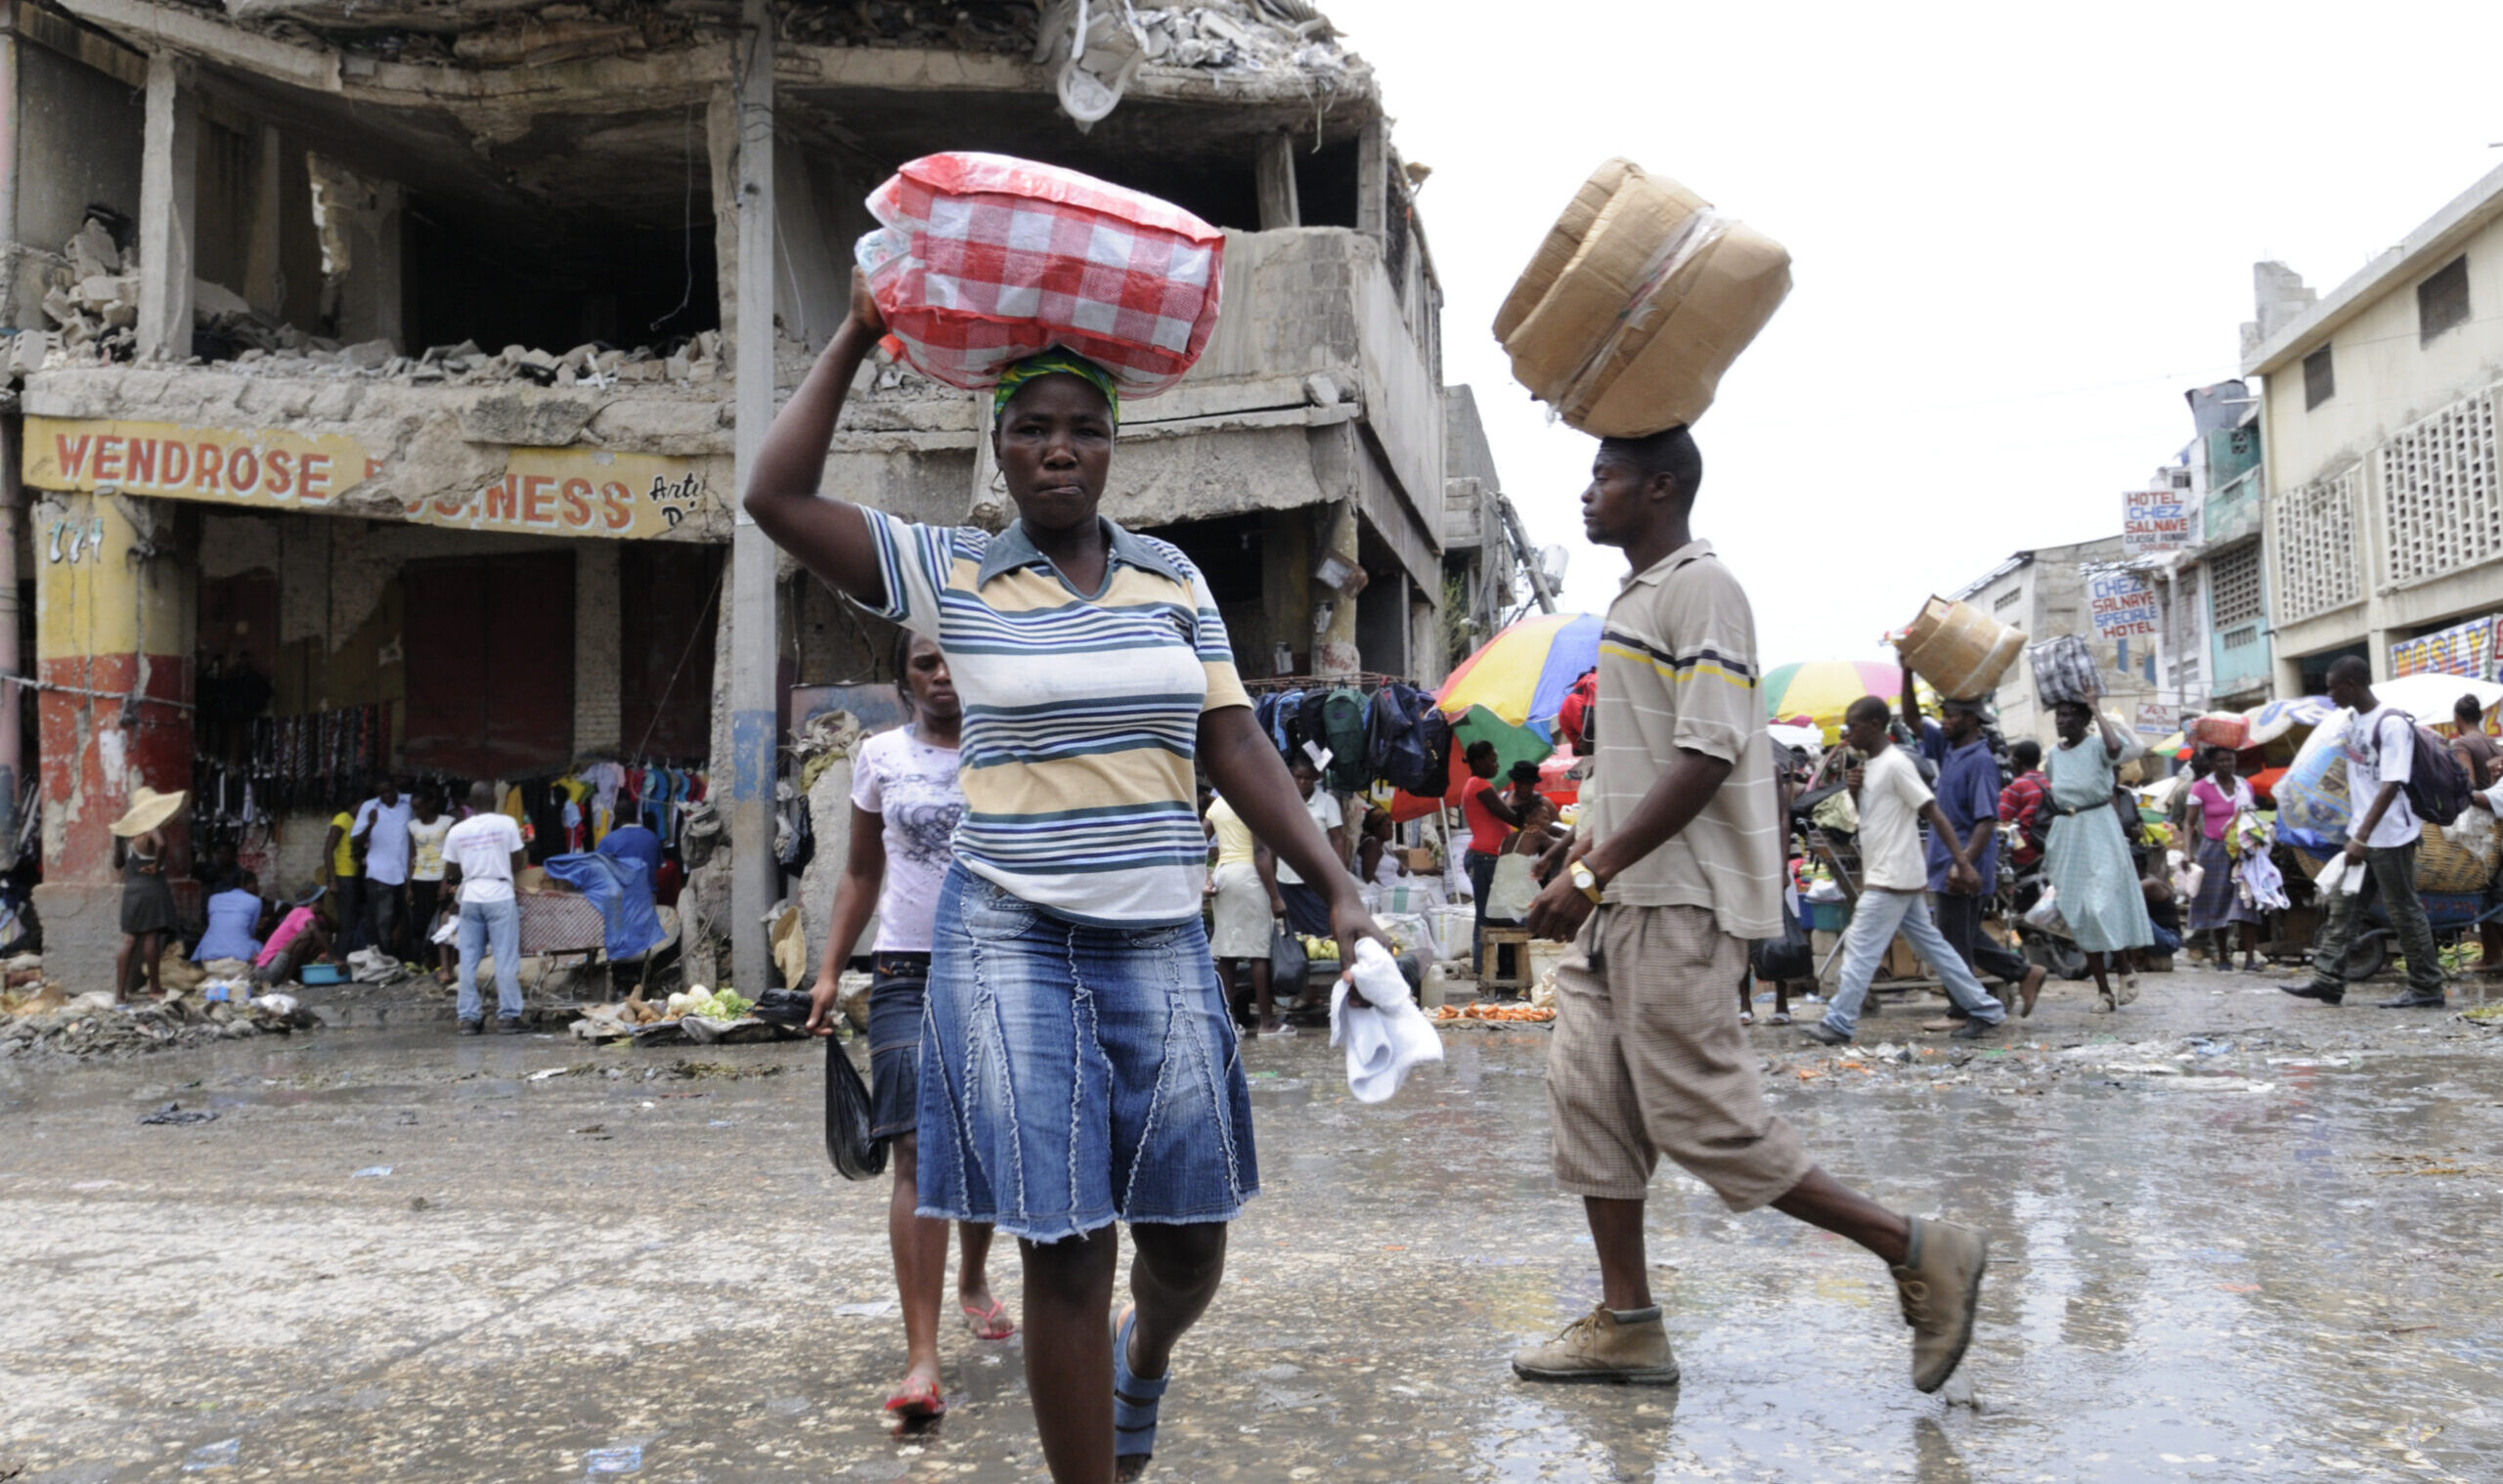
[[112, 645], [596, 659], [1275, 169], [264, 282], [1372, 180], [371, 299], [751, 768], [169, 208], [13, 522], [1334, 651]]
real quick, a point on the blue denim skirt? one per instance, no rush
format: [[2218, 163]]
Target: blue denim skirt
[[1072, 1076]]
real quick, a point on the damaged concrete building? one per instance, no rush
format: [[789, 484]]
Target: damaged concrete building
[[384, 371]]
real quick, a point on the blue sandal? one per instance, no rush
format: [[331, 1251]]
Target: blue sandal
[[1134, 1403]]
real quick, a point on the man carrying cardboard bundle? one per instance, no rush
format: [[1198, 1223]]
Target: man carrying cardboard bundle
[[1677, 866]]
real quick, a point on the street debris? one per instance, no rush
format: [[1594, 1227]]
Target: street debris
[[45, 1022], [175, 1112]]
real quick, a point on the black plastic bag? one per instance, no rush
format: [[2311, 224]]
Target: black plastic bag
[[787, 1008], [848, 1142], [1287, 963], [1779, 960]]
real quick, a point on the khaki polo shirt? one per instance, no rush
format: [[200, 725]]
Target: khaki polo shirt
[[1679, 671]]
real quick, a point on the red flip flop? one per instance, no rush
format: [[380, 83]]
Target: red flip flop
[[917, 1400], [993, 1322]]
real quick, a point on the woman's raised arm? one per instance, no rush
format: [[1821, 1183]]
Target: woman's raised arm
[[830, 536]]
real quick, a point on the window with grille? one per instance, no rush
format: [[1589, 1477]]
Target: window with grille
[[2441, 500], [2316, 565], [2320, 378], [2233, 588], [2442, 300], [2006, 600]]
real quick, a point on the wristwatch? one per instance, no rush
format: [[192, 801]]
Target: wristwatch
[[1585, 881]]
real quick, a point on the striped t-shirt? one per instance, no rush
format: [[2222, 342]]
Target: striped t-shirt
[[1082, 713], [1678, 674]]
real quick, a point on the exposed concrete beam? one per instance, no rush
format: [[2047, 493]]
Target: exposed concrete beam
[[184, 29], [169, 208]]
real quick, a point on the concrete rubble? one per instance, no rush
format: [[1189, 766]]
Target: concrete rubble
[[92, 1024], [93, 307]]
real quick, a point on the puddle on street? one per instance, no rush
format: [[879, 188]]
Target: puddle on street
[[589, 1277]]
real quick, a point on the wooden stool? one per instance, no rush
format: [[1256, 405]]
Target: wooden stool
[[1518, 980]]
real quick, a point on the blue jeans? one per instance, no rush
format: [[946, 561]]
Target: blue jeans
[[498, 923], [1875, 922], [1074, 1075]]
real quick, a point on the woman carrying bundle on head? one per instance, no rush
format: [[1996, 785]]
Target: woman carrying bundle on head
[[1079, 1062]]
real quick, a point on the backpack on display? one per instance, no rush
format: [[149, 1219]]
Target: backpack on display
[[1400, 740], [1342, 731], [1282, 717], [1433, 736]]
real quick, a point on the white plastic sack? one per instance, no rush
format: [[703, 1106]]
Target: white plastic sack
[[1372, 1016], [2046, 913]]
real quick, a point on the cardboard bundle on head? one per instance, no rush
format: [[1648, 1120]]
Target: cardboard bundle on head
[[1959, 649], [1637, 302], [983, 260]]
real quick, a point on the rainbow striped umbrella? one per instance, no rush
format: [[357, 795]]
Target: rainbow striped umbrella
[[1521, 675], [1820, 689]]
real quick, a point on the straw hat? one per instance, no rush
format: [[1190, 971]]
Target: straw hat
[[149, 809]]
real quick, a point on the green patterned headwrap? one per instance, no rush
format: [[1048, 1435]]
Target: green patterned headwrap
[[1055, 362]]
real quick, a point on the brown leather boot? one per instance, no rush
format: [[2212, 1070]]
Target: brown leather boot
[[1632, 1349]]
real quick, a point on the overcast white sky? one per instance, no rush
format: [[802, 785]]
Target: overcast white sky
[[2018, 234]]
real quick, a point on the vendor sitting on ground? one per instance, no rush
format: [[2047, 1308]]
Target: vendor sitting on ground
[[234, 922], [302, 937]]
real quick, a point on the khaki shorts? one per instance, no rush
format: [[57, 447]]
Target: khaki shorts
[[1648, 1060]]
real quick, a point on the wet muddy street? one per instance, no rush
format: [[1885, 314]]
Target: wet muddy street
[[2235, 1237]]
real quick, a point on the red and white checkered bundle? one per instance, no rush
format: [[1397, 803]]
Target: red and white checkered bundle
[[985, 260]]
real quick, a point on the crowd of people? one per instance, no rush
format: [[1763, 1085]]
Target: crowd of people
[[1081, 852]]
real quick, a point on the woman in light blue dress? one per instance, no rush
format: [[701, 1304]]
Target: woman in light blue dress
[[2094, 876]]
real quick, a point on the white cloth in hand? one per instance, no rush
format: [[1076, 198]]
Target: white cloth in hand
[[1372, 1016]]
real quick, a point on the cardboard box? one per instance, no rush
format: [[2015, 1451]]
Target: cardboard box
[[1420, 860], [1638, 300], [1962, 652]]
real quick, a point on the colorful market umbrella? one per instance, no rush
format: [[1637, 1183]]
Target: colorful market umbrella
[[1820, 689], [1521, 675]]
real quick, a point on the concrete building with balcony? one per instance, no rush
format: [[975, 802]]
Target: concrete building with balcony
[[393, 367], [2384, 515]]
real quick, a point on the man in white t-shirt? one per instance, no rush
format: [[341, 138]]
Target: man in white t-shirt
[[1308, 909], [1895, 883], [482, 853], [2381, 758], [380, 841]]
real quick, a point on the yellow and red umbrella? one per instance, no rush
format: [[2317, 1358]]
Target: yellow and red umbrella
[[1815, 693]]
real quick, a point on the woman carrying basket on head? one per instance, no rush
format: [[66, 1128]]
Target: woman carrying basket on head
[[905, 806], [1079, 1062]]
